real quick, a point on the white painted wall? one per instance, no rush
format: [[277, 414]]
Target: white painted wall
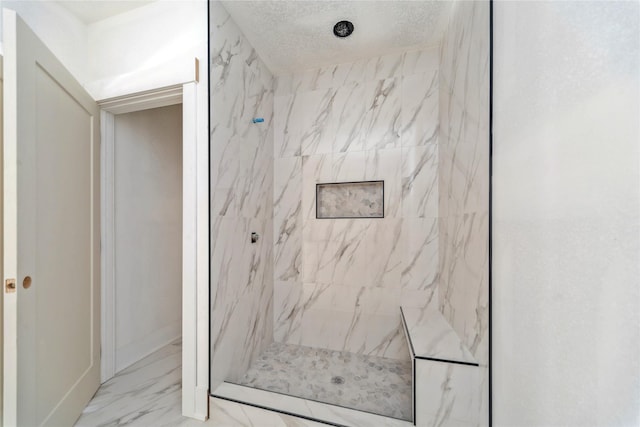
[[566, 260], [145, 47], [62, 32], [142, 49], [148, 231]]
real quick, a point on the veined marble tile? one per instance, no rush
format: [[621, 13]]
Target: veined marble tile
[[224, 413], [420, 109], [236, 74], [383, 126], [226, 49], [339, 74], [344, 259], [423, 300], [305, 122], [315, 169], [385, 253], [282, 84], [288, 308], [470, 83], [385, 165], [432, 336], [230, 243], [445, 243], [288, 249], [317, 230], [328, 296], [384, 67], [465, 61], [378, 301], [284, 145], [242, 200], [351, 167], [463, 176], [355, 252], [320, 411], [373, 335], [348, 118], [261, 258], [445, 172], [288, 218], [350, 298], [228, 170], [449, 394], [259, 202], [243, 164], [421, 61], [466, 170], [233, 350], [146, 393], [382, 123], [340, 260], [227, 164], [149, 394], [257, 102], [464, 294], [420, 181], [363, 70], [421, 260], [451, 112]]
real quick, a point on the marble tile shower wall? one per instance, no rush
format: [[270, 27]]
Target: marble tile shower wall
[[338, 283], [463, 229], [241, 200], [464, 175]]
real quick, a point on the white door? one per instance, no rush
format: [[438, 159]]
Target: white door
[[51, 236]]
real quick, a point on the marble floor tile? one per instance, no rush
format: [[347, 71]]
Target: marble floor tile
[[366, 383], [148, 393]]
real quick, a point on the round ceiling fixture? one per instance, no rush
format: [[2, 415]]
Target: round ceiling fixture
[[343, 29]]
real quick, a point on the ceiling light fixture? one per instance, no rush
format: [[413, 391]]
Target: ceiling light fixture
[[343, 29]]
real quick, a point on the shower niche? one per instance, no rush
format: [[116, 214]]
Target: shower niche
[[365, 300], [363, 199]]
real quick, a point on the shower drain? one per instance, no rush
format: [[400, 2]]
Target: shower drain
[[337, 380]]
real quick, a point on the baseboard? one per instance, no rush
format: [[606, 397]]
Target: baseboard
[[202, 403], [131, 353]]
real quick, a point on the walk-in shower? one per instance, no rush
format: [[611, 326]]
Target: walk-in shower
[[366, 295]]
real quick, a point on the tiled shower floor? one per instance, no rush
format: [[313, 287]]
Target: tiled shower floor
[[372, 384]]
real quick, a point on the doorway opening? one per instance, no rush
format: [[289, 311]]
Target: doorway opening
[[147, 219], [143, 228], [143, 231], [171, 247]]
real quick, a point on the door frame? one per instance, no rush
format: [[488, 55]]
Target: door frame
[[194, 259]]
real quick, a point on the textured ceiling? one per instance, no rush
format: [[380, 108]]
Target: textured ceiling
[[295, 35], [90, 11]]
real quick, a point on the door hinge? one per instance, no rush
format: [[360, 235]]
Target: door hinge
[[10, 286]]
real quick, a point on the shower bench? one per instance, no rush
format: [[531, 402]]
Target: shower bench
[[448, 382]]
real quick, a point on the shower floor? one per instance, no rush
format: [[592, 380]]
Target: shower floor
[[366, 383]]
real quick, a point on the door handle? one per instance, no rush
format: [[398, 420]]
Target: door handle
[[26, 283]]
